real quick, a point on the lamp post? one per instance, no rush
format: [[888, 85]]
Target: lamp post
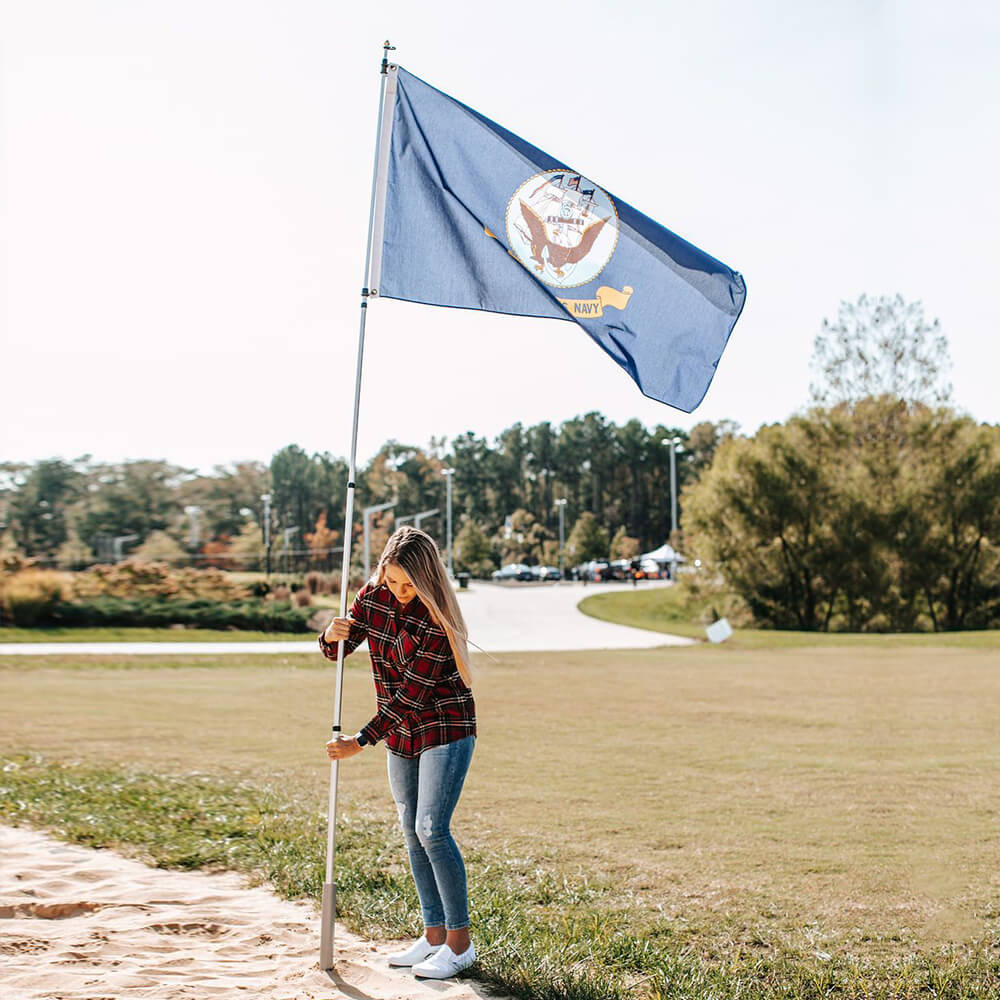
[[288, 534], [415, 518], [194, 532], [418, 518], [561, 504], [266, 497], [674, 442], [448, 473], [366, 514]]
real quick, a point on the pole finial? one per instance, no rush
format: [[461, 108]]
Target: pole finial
[[386, 49]]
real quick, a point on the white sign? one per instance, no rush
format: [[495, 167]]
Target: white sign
[[719, 631]]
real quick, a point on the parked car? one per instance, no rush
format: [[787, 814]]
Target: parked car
[[650, 569], [549, 573], [513, 571], [596, 569], [621, 569]]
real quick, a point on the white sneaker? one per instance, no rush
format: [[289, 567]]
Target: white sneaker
[[418, 951], [445, 963]]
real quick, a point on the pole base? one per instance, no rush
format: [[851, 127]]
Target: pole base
[[327, 920]]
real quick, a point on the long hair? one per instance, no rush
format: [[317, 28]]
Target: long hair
[[416, 554]]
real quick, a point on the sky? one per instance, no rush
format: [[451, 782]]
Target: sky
[[184, 196]]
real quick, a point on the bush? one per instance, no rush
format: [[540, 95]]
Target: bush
[[302, 599], [30, 596], [261, 616], [156, 579]]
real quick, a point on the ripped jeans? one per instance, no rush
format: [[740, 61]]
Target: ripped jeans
[[426, 790]]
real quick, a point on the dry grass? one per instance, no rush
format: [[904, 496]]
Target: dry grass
[[832, 799]]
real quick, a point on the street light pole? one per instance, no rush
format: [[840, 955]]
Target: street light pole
[[561, 504], [288, 534], [366, 514], [674, 442], [415, 518], [418, 518], [448, 473], [267, 534]]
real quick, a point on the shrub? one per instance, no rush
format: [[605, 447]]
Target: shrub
[[159, 547], [155, 579], [30, 595], [302, 599], [262, 616]]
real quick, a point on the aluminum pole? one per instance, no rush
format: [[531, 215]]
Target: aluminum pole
[[329, 913], [561, 504], [673, 508], [448, 473], [267, 535], [368, 511]]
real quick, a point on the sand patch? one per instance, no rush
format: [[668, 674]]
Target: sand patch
[[83, 924]]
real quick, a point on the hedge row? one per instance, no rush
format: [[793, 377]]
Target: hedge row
[[260, 616]]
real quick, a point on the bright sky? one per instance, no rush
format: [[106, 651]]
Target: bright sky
[[185, 193]]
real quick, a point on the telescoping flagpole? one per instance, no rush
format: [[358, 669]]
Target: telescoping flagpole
[[383, 131]]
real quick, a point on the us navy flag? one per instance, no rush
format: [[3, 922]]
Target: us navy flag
[[470, 215]]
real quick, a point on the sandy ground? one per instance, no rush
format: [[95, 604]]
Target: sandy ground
[[82, 924], [501, 619]]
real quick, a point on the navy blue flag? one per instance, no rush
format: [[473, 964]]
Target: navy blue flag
[[470, 215]]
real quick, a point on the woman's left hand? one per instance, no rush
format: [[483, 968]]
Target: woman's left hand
[[341, 747]]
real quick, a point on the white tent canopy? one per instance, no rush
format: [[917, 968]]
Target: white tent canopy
[[664, 554]]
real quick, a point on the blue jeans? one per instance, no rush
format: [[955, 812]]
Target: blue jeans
[[426, 790]]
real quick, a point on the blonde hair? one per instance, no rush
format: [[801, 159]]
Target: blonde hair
[[416, 554]]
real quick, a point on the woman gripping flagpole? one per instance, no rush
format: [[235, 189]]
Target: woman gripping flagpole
[[426, 715]]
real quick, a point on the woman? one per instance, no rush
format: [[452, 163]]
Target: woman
[[426, 715]]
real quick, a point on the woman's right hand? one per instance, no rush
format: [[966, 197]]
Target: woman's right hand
[[339, 628]]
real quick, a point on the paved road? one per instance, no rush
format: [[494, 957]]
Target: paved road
[[501, 619]]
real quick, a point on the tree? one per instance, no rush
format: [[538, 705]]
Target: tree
[[880, 346], [952, 533], [39, 507], [762, 515], [130, 498], [74, 553], [321, 541], [588, 540], [247, 547], [704, 439], [526, 540], [623, 546], [218, 553], [160, 547], [226, 497], [472, 549], [872, 516]]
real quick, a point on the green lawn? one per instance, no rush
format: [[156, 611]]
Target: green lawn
[[696, 822], [661, 609], [146, 635]]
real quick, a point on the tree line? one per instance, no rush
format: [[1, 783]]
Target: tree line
[[877, 509], [76, 512]]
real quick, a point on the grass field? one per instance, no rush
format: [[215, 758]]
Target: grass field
[[147, 635], [779, 816], [662, 609]]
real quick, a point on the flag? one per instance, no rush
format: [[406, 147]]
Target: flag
[[469, 215]]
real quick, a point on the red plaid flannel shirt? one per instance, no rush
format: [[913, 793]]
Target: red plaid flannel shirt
[[422, 700]]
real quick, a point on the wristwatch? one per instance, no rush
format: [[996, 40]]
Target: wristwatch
[[362, 741]]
